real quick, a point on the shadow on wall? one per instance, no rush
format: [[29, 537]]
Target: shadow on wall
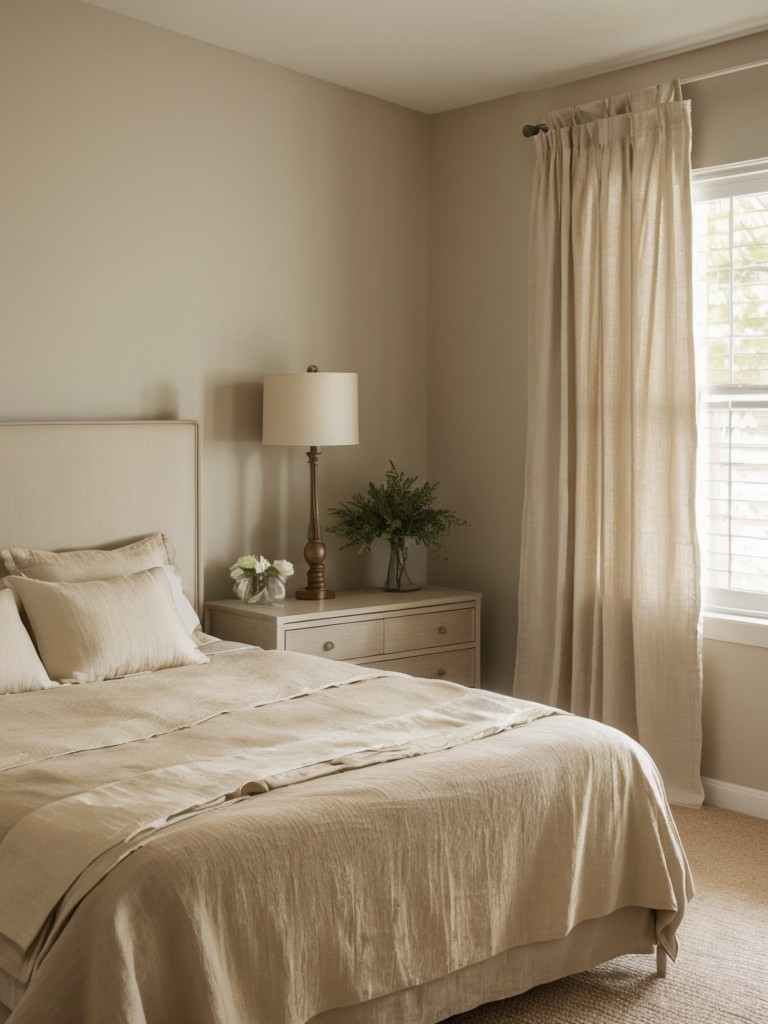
[[161, 402], [233, 411], [231, 436], [246, 485]]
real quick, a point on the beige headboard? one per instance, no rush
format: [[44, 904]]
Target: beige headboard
[[99, 484]]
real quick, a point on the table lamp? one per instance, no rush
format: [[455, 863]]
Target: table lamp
[[312, 409]]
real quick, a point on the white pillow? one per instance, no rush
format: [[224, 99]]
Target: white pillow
[[20, 667], [184, 609], [104, 629], [102, 564]]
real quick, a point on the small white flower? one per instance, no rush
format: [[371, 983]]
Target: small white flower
[[260, 569]]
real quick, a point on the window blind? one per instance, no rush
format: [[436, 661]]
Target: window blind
[[731, 261]]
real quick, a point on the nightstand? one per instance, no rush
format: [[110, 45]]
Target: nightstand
[[431, 633]]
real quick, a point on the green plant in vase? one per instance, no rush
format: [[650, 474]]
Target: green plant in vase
[[400, 511]]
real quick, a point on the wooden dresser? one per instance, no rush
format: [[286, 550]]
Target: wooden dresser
[[431, 633]]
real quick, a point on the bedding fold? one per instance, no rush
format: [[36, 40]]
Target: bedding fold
[[90, 716], [48, 849]]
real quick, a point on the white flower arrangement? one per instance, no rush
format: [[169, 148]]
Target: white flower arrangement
[[256, 578]]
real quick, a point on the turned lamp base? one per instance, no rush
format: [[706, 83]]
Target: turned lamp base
[[314, 550], [314, 595]]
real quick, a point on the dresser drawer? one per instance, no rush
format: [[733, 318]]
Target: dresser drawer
[[432, 629], [342, 641], [456, 666]]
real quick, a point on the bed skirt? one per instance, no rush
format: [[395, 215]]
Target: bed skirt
[[629, 930]]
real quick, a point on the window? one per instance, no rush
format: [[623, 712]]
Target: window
[[731, 311]]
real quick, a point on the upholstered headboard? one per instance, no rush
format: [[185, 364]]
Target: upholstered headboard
[[100, 484]]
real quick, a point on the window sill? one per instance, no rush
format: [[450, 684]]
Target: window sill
[[735, 629]]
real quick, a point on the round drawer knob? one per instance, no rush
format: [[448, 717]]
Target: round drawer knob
[[440, 673], [442, 629], [328, 645]]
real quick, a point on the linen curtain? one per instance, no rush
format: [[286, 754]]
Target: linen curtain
[[609, 581]]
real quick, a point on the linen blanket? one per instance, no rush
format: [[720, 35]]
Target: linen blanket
[[272, 877]]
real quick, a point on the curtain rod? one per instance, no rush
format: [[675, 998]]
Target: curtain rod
[[533, 129], [724, 71]]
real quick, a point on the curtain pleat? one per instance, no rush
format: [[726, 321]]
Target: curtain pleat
[[609, 582]]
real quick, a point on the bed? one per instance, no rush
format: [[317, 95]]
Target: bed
[[225, 835]]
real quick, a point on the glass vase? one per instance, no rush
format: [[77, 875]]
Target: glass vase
[[248, 590], [397, 572]]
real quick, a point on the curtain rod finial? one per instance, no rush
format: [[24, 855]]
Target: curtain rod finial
[[533, 129]]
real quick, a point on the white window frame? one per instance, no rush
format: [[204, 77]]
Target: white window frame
[[726, 614]]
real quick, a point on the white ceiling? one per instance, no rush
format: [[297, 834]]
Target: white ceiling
[[435, 55]]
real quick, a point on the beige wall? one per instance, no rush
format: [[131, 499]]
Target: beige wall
[[177, 220], [480, 179]]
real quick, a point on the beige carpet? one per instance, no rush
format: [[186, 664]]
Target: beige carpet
[[721, 973]]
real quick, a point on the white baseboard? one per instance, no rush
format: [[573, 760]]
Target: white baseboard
[[736, 798]]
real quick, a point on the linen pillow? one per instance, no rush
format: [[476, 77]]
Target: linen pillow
[[105, 629], [102, 564], [91, 563], [20, 667]]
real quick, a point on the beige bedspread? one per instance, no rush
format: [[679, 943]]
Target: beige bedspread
[[197, 839]]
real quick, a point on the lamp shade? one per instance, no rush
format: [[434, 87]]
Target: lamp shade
[[310, 409]]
